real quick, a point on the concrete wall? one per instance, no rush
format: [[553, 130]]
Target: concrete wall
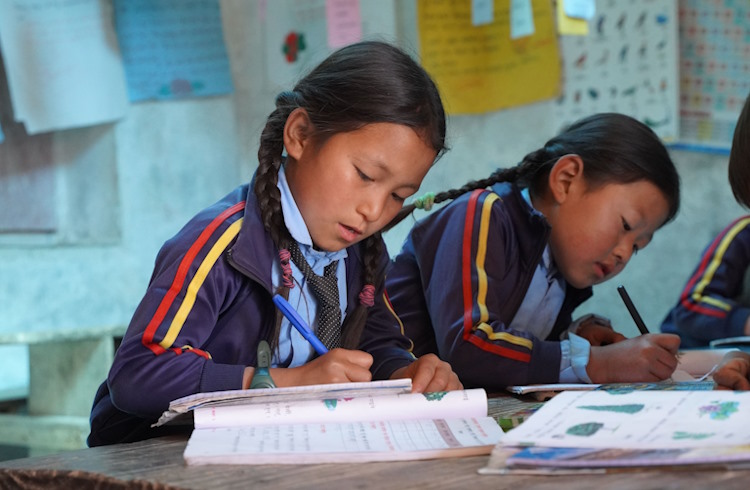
[[171, 159]]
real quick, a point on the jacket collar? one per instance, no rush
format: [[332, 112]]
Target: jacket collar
[[254, 251]]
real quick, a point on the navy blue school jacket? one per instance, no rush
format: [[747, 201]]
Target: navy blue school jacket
[[459, 280]]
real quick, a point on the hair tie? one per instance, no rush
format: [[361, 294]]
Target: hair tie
[[425, 202], [367, 295], [286, 269]]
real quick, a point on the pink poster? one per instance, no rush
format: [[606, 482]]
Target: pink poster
[[344, 22]]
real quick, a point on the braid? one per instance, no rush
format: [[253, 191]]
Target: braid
[[511, 174], [526, 174], [499, 175], [267, 176], [269, 197], [351, 331]]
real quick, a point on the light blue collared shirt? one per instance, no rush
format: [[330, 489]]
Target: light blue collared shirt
[[293, 349], [539, 310]]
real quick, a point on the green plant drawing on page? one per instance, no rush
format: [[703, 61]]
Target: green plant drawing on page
[[719, 410], [332, 403], [623, 408], [586, 430], [691, 435], [436, 395]]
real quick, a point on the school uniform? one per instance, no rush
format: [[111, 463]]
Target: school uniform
[[461, 278], [207, 307], [715, 302]]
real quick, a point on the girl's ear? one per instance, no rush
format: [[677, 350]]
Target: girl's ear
[[296, 132], [566, 175]]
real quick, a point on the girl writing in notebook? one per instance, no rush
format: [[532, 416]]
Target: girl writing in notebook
[[490, 281], [337, 158]]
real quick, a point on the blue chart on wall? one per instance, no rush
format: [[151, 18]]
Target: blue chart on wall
[[172, 49]]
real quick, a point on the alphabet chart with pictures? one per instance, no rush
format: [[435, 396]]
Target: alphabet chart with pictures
[[626, 63], [714, 69]]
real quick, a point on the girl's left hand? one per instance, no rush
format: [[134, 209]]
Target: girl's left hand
[[428, 373], [596, 329], [734, 372], [598, 334]]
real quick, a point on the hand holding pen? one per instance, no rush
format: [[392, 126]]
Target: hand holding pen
[[336, 366], [644, 358]]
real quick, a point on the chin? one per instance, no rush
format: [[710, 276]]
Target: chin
[[584, 283]]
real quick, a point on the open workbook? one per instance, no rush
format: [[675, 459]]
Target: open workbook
[[592, 431], [321, 426]]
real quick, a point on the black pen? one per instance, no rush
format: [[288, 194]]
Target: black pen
[[631, 308]]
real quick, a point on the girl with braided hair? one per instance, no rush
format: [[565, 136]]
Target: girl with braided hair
[[337, 158], [489, 282]]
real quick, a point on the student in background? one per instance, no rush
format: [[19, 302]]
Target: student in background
[[358, 134], [490, 281], [734, 371], [715, 302]]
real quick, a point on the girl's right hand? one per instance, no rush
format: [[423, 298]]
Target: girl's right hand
[[336, 366], [646, 358], [733, 372]]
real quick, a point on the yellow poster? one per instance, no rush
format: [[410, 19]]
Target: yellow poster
[[480, 68]]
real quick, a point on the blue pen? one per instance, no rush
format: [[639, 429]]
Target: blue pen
[[299, 324]]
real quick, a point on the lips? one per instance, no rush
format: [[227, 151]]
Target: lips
[[604, 269], [349, 233]]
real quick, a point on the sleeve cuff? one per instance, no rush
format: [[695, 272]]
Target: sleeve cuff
[[574, 359]]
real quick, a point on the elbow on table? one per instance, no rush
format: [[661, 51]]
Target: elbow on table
[[135, 398]]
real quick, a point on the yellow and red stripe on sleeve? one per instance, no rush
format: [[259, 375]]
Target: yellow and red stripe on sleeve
[[692, 297], [193, 287], [481, 296]]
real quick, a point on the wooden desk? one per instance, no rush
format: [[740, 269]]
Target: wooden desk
[[158, 464]]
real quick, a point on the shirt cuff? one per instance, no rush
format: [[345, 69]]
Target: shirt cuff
[[575, 357]]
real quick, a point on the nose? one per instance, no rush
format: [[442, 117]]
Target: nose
[[371, 206], [623, 252]]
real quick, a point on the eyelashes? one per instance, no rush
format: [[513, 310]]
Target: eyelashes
[[367, 178], [626, 225]]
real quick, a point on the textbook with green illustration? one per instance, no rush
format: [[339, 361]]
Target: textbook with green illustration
[[321, 426], [592, 431], [694, 370]]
